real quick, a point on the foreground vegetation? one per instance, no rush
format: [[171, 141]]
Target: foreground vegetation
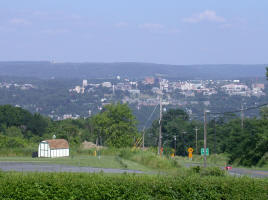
[[99, 186]]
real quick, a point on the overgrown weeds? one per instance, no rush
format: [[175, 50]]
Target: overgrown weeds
[[150, 159]]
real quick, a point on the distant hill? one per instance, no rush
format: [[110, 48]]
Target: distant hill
[[46, 70]]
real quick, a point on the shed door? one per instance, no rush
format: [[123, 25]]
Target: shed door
[[44, 149]]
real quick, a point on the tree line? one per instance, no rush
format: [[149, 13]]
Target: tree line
[[116, 126]]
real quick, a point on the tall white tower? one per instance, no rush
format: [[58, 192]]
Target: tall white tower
[[84, 84], [113, 90]]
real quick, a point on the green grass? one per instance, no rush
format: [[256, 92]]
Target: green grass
[[213, 160]]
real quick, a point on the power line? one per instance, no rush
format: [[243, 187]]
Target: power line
[[237, 111], [234, 111], [150, 117], [143, 134]]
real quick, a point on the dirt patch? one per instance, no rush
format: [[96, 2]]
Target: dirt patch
[[90, 145]]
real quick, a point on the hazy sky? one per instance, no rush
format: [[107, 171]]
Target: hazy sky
[[158, 31]]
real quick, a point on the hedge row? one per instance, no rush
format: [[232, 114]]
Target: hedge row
[[101, 186]]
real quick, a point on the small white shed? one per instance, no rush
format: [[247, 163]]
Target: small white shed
[[53, 148]]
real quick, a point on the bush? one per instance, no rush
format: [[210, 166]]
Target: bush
[[100, 186], [212, 171], [208, 171]]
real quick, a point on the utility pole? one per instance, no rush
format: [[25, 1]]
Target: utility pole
[[196, 149], [143, 139], [160, 123], [175, 145], [205, 138], [215, 135], [242, 116], [183, 132]]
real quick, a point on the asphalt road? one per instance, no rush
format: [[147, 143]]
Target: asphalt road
[[248, 172], [239, 171], [43, 167]]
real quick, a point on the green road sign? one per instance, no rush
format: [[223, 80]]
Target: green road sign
[[203, 152]]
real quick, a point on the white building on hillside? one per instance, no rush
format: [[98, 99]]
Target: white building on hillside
[[107, 84], [84, 83], [235, 87]]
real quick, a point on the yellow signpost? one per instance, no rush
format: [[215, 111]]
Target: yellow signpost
[[190, 153]]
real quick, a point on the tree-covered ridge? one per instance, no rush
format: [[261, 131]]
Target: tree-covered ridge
[[46, 70]]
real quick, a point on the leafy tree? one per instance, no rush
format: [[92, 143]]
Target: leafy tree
[[115, 125], [38, 124], [13, 131], [264, 113]]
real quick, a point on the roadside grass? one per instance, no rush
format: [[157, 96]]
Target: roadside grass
[[149, 159], [17, 152], [212, 160]]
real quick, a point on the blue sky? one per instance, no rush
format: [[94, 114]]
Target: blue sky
[[158, 31]]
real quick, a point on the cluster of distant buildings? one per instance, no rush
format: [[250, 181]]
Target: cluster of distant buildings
[[138, 92], [147, 91], [256, 89], [25, 86]]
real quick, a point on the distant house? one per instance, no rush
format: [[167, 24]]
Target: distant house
[[53, 148]]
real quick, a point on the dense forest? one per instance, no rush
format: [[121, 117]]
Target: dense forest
[[116, 126]]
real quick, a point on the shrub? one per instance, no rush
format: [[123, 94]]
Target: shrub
[[208, 171], [212, 171], [100, 186]]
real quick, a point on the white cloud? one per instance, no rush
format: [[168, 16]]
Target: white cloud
[[19, 21], [121, 24], [207, 15], [152, 27]]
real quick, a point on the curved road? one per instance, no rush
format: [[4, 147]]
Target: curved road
[[238, 171], [248, 172], [43, 167]]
